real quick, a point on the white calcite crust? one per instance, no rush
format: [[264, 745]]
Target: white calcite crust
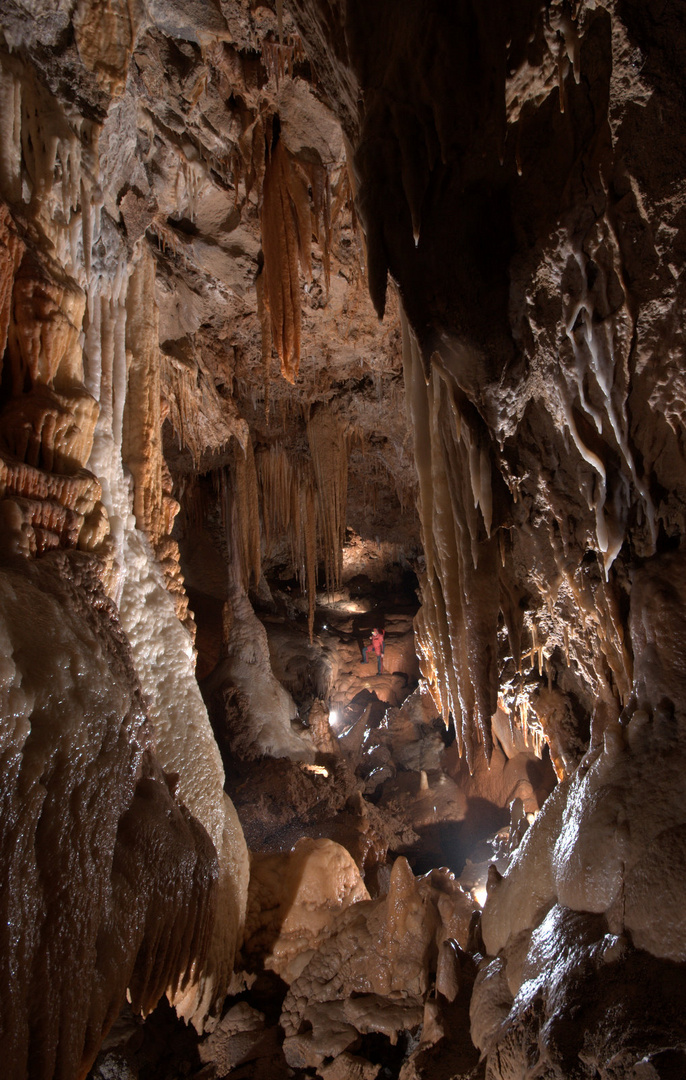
[[185, 744], [102, 869]]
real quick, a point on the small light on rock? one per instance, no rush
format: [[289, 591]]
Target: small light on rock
[[318, 770], [480, 895]]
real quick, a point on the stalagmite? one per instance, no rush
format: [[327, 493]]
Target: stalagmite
[[295, 898], [266, 709], [373, 969]]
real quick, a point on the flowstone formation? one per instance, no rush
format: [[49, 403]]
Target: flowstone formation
[[110, 885]]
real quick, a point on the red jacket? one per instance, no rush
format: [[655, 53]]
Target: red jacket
[[377, 641]]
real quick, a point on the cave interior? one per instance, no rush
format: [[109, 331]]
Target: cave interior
[[342, 560]]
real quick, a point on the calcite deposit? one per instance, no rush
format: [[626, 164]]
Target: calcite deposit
[[110, 884], [373, 972], [293, 901], [316, 318]]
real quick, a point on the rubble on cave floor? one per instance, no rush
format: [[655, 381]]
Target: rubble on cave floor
[[344, 711], [339, 986]]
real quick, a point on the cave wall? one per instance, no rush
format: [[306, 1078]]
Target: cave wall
[[109, 883], [137, 321], [513, 184], [534, 231], [124, 862], [519, 175]]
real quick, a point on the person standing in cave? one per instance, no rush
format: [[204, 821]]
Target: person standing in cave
[[377, 644]]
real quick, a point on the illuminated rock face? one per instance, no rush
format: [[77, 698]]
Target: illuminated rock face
[[373, 970], [294, 900], [596, 891]]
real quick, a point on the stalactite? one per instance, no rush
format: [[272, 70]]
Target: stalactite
[[105, 38], [194, 501], [181, 382], [142, 437], [265, 338], [10, 132], [279, 57], [246, 514], [286, 241], [47, 429], [11, 251], [322, 212], [236, 486], [200, 417], [277, 482], [329, 448], [289, 509], [167, 239], [141, 419], [47, 313], [308, 516], [251, 147], [458, 623]]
